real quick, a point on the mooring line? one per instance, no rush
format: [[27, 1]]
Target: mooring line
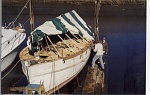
[[10, 70]]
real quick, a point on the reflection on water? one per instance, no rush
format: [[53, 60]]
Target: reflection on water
[[126, 37]]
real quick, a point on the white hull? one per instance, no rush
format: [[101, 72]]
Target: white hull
[[56, 62], [56, 74], [6, 61], [11, 40]]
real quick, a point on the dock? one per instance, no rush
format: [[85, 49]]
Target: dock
[[18, 89], [94, 81]]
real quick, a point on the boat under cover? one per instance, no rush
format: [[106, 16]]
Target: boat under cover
[[59, 62]]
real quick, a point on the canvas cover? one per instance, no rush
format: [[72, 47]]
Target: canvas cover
[[69, 22]]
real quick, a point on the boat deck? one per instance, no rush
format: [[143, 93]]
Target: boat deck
[[49, 53]]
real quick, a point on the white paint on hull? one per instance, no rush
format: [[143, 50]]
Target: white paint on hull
[[55, 73], [11, 39], [6, 61]]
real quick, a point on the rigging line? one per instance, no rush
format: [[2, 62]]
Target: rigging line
[[21, 10], [53, 71], [54, 84], [78, 82], [19, 13], [25, 22], [52, 66], [52, 59], [53, 74], [10, 70], [58, 90]]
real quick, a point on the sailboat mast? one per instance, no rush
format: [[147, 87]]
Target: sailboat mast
[[31, 15], [96, 19]]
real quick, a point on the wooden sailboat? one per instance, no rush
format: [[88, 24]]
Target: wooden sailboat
[[57, 51]]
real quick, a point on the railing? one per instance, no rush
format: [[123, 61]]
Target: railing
[[11, 25]]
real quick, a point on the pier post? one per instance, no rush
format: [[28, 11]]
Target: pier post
[[96, 19], [94, 81]]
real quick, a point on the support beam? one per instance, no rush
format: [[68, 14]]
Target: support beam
[[66, 44], [96, 19], [31, 16]]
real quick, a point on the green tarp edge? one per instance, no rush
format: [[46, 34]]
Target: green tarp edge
[[68, 20], [59, 25], [78, 21]]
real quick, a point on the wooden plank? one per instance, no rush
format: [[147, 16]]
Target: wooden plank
[[19, 89], [53, 55]]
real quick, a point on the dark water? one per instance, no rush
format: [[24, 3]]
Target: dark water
[[125, 31], [126, 63]]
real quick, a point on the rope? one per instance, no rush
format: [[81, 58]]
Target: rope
[[19, 13], [53, 68], [78, 82], [51, 58], [10, 70], [58, 90], [25, 22]]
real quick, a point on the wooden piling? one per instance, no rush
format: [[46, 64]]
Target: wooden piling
[[94, 81]]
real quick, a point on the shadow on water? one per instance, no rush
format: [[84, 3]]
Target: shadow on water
[[12, 77]]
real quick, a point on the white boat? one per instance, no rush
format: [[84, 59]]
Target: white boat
[[13, 34], [57, 51], [11, 39]]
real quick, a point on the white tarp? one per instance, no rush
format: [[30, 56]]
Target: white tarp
[[48, 28], [71, 28], [70, 21]]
